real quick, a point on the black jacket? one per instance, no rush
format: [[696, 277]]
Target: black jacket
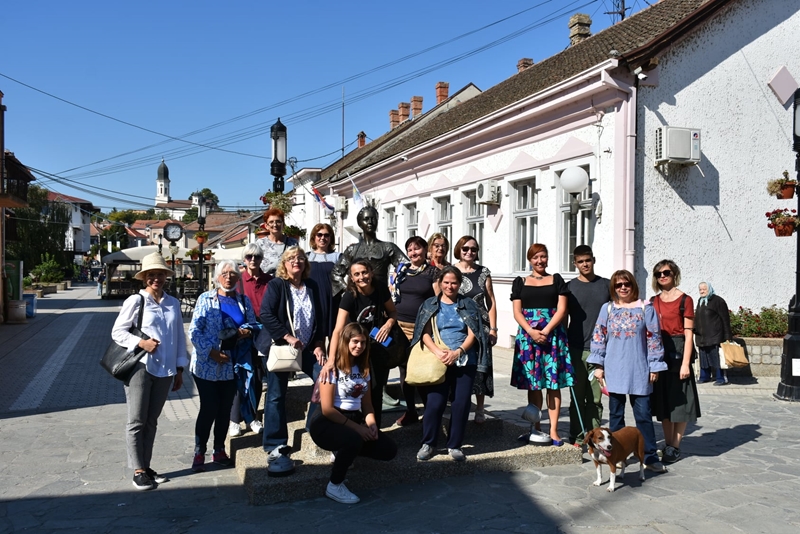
[[276, 320], [712, 323]]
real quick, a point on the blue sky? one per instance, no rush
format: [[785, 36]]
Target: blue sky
[[174, 67]]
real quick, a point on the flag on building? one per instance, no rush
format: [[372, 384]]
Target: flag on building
[[357, 200], [318, 196]]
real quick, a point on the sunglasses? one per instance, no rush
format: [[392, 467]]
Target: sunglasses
[[664, 274], [251, 257], [621, 285], [469, 249], [320, 235]]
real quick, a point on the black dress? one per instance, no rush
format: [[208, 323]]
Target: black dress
[[474, 287]]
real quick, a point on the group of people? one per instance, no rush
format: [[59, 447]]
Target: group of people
[[353, 320]]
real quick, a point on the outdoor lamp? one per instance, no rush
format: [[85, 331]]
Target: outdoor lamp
[[574, 180], [278, 167], [202, 210]]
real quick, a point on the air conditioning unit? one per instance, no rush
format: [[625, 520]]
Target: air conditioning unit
[[339, 203], [488, 192], [677, 145]]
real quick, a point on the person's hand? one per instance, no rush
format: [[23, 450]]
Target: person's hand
[[383, 333], [653, 377], [539, 337], [599, 374], [149, 345], [373, 431], [492, 339], [177, 383], [219, 357], [444, 357], [363, 432], [245, 332], [293, 342], [685, 371], [319, 354], [325, 373]]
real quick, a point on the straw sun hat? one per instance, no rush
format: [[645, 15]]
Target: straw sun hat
[[152, 262]]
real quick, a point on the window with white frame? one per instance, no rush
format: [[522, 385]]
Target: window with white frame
[[576, 223], [526, 221], [391, 225], [444, 217], [412, 219], [475, 215]]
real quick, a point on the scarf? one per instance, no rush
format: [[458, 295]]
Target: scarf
[[397, 278], [704, 300]]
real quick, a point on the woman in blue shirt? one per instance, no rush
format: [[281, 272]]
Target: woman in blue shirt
[[212, 363]]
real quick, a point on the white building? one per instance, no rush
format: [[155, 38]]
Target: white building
[[78, 234]]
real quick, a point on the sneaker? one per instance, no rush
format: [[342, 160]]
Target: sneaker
[[234, 429], [340, 493], [671, 454], [198, 464], [721, 382], [656, 467], [333, 457], [142, 481], [221, 458], [407, 419], [158, 479], [457, 455], [425, 453], [278, 462], [480, 416], [256, 427]]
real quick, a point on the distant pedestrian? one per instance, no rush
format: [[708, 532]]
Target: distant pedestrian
[[674, 399], [100, 279], [147, 389], [712, 326], [588, 293]]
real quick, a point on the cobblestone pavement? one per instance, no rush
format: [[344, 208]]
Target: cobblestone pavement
[[62, 458]]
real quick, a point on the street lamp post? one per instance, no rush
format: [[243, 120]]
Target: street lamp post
[[278, 167], [173, 247], [201, 221], [789, 386]]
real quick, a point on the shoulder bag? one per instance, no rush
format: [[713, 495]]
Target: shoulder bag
[[284, 358], [424, 368], [117, 360]]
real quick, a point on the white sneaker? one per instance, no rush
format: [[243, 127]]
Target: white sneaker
[[234, 430], [340, 493], [333, 457], [256, 427]]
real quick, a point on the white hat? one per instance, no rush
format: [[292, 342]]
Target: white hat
[[153, 262]]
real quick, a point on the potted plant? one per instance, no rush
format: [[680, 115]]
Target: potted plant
[[262, 231], [782, 187], [201, 237], [294, 231], [783, 221], [207, 254], [193, 254]]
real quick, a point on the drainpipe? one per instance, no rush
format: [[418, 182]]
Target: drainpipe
[[630, 178]]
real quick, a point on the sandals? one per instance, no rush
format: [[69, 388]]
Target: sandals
[[480, 416]]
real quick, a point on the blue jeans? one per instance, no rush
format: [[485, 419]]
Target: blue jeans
[[710, 354], [643, 417], [462, 378], [276, 431]]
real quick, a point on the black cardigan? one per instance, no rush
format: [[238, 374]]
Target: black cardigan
[[275, 319], [712, 323]]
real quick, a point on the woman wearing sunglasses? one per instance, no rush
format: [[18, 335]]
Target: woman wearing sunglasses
[[322, 258], [626, 348], [477, 285], [674, 398]]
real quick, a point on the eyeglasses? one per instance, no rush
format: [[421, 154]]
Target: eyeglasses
[[320, 235], [664, 274], [274, 223], [251, 257], [470, 249], [296, 260], [621, 285], [229, 274]]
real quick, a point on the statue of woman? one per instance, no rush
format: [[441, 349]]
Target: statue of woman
[[380, 254]]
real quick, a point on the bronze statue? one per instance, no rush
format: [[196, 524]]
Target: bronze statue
[[380, 254]]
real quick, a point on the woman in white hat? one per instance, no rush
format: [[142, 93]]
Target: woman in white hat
[[147, 389]]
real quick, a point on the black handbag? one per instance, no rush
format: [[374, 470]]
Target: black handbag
[[117, 360]]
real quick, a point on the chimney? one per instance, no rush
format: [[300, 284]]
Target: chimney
[[362, 139], [442, 92], [416, 106], [579, 28], [404, 109], [524, 63], [394, 118]]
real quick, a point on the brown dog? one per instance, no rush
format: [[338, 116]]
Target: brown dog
[[613, 449]]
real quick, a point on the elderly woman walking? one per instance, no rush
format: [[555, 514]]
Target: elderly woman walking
[[147, 388], [712, 326]]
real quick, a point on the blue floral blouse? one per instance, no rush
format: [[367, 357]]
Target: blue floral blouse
[[204, 333], [626, 342]]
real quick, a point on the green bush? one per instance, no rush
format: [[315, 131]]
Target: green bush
[[771, 322], [49, 271], [27, 282]]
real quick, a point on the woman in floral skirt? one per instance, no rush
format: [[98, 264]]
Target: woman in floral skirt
[[541, 355]]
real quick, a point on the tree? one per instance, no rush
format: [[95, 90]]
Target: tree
[[210, 197], [190, 216], [125, 216], [41, 229], [114, 233]]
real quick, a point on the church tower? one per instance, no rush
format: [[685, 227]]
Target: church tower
[[162, 184]]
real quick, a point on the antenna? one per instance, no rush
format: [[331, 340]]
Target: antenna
[[619, 10]]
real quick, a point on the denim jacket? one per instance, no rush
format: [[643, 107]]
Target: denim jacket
[[468, 310], [204, 333]]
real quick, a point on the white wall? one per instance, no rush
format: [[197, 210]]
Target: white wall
[[710, 218]]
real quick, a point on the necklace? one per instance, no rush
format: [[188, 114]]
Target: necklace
[[535, 277]]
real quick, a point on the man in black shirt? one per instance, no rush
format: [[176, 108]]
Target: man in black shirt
[[588, 294]]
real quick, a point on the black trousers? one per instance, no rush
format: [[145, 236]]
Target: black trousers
[[216, 398], [348, 444]]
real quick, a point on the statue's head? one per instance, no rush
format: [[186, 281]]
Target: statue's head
[[368, 219]]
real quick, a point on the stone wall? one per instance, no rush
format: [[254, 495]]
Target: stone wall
[[764, 355]]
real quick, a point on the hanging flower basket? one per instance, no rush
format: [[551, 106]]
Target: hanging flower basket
[[207, 256], [783, 221], [782, 188], [784, 230], [787, 190], [200, 240]]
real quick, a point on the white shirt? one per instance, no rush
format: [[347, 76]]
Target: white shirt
[[350, 388], [161, 321]]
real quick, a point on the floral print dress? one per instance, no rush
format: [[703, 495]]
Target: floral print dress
[[545, 366]]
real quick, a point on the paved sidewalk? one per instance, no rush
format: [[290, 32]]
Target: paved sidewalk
[[62, 460]]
